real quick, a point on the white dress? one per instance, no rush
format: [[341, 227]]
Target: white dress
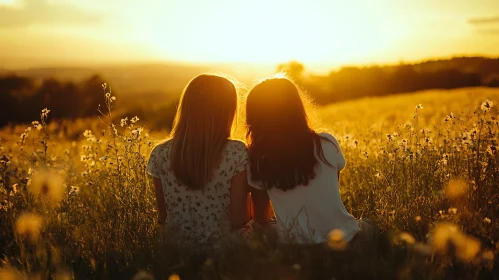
[[306, 214]]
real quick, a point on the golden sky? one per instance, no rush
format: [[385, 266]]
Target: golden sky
[[316, 32]]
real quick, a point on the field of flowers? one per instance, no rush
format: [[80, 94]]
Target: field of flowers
[[423, 168]]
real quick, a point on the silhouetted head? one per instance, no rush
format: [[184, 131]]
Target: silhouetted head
[[281, 142], [202, 125]]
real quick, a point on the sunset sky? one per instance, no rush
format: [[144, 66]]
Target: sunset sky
[[316, 32]]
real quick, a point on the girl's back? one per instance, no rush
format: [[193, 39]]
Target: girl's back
[[297, 168], [306, 214], [202, 215], [199, 175]]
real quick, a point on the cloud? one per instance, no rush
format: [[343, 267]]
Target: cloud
[[43, 12], [484, 20]]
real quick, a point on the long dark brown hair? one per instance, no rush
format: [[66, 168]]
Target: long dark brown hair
[[201, 128], [281, 144]]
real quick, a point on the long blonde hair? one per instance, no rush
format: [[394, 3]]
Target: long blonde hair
[[202, 125]]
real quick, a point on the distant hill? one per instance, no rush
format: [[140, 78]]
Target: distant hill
[[352, 82], [145, 78], [480, 65], [166, 80]]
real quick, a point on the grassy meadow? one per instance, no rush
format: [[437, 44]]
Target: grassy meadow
[[423, 168]]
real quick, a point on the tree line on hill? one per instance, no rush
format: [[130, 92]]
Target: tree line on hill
[[356, 82], [22, 97]]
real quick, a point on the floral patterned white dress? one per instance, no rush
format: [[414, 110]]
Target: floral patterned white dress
[[202, 216]]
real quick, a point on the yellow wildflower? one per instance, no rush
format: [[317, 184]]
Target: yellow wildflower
[[48, 185], [28, 226]]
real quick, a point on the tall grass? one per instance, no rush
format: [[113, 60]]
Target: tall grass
[[85, 209]]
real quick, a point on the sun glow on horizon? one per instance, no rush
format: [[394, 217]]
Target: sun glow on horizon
[[326, 32], [270, 32]]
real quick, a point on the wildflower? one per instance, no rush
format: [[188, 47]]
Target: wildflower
[[108, 95], [491, 150], [124, 122], [45, 112], [407, 238], [104, 85], [488, 255], [25, 134], [134, 119], [455, 188], [115, 131], [408, 126], [48, 185], [4, 160], [466, 138], [74, 190], [14, 190], [377, 175], [417, 218], [104, 158], [466, 247], [113, 98], [425, 131], [174, 277], [404, 143], [6, 205], [335, 240], [87, 133], [143, 275], [450, 117], [452, 210], [487, 220], [36, 125], [137, 131], [442, 237], [486, 105], [28, 226]]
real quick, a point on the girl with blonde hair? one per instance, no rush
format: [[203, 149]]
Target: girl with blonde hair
[[199, 174]]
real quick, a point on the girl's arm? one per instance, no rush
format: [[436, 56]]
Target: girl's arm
[[263, 210], [160, 200], [239, 201]]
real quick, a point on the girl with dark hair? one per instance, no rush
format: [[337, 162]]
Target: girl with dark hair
[[292, 166]]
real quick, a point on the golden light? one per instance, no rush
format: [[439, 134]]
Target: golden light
[[11, 3], [266, 31]]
